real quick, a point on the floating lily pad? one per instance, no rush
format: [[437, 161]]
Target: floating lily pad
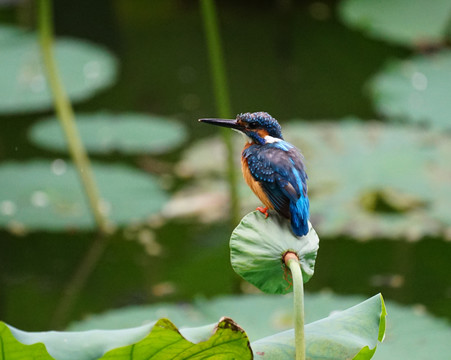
[[351, 161], [45, 195], [10, 34], [85, 69], [366, 180], [207, 157], [411, 23], [257, 247], [105, 132], [416, 89], [410, 334]]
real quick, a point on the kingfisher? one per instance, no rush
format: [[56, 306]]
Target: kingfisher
[[273, 168]]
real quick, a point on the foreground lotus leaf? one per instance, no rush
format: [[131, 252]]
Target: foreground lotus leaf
[[157, 340], [361, 327]]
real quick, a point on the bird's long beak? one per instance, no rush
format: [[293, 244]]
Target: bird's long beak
[[229, 123]]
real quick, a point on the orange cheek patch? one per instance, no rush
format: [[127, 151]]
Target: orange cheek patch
[[262, 133]]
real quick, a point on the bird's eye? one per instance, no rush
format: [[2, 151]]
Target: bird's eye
[[253, 125]]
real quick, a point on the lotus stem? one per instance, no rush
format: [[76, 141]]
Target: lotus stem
[[66, 114], [217, 68], [292, 261]]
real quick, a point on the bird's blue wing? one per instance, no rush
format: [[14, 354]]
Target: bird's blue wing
[[279, 168]]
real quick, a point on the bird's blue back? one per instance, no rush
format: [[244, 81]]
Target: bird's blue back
[[278, 167]]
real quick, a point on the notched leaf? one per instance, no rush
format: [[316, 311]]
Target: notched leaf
[[165, 341], [158, 341], [227, 323]]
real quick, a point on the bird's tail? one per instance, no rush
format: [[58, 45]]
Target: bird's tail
[[300, 216]]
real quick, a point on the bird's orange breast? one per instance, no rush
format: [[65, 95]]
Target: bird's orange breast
[[252, 183]]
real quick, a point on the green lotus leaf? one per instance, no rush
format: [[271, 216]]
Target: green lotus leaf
[[12, 348], [257, 247], [80, 345], [348, 334], [46, 195], [414, 89], [341, 335], [207, 157], [410, 333], [165, 342], [402, 21], [10, 34], [278, 309], [414, 334], [375, 180], [366, 180], [158, 340], [85, 69], [105, 132]]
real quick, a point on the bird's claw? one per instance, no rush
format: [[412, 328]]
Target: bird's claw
[[263, 210]]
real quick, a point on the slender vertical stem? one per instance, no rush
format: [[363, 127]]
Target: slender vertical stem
[[292, 261], [218, 73], [77, 151], [66, 115]]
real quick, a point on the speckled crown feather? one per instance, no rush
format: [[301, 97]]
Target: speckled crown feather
[[264, 120]]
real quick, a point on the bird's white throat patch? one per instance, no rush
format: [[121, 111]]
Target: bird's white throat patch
[[270, 139]]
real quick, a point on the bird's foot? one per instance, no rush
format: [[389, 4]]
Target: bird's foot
[[263, 210]]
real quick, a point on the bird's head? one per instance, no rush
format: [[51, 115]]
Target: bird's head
[[260, 127]]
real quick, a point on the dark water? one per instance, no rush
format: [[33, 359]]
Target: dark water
[[283, 57], [195, 261]]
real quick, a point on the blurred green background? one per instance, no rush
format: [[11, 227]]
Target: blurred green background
[[309, 60]]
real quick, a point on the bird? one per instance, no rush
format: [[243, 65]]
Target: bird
[[273, 168]]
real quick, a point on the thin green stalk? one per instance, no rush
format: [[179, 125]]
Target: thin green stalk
[[292, 261], [217, 68], [77, 151], [66, 115]]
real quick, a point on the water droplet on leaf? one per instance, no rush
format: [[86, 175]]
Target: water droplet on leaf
[[58, 167], [419, 81], [8, 208], [39, 199]]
